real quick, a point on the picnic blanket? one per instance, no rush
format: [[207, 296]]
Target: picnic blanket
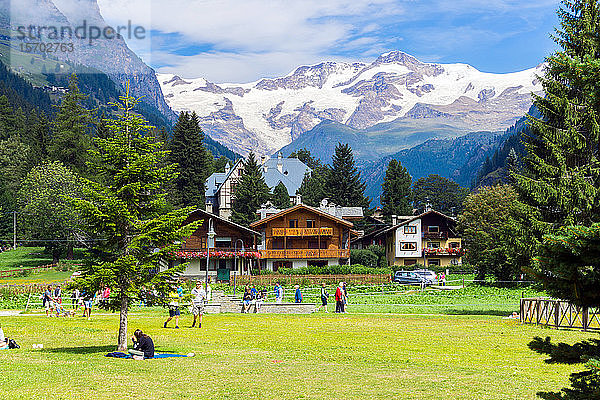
[[118, 354]]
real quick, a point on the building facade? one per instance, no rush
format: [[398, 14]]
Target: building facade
[[220, 186], [429, 239], [234, 247], [301, 236]]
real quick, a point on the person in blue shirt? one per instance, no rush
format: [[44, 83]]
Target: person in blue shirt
[[298, 295], [254, 292]]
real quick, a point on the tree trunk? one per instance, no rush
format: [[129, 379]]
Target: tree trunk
[[55, 256], [70, 252], [123, 324]]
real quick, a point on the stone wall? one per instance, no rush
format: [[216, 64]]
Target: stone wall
[[222, 303]]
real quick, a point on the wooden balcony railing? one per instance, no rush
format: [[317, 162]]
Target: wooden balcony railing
[[306, 253], [435, 235], [302, 231]]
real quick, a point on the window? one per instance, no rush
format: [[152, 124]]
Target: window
[[408, 246], [433, 245], [313, 244], [223, 242], [410, 229], [277, 244], [310, 223], [434, 261], [454, 245], [433, 229], [410, 262], [293, 223]]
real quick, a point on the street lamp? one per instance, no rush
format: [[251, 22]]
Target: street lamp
[[235, 261], [209, 244]]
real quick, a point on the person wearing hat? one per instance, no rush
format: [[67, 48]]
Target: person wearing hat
[[339, 298]]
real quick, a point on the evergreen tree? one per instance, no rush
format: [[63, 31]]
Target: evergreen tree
[[38, 137], [396, 196], [70, 140], [8, 119], [343, 185], [251, 193], [187, 152], [312, 188], [442, 194], [281, 197], [562, 170], [220, 163], [129, 213]]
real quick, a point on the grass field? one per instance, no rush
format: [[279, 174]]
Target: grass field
[[258, 356]]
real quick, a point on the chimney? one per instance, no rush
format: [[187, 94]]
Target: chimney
[[428, 206], [394, 219], [227, 168], [298, 198], [280, 162], [263, 159]]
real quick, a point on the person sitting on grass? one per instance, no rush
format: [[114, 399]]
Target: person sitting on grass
[[143, 346], [247, 300], [3, 340]]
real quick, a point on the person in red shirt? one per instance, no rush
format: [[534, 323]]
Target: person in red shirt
[[339, 298]]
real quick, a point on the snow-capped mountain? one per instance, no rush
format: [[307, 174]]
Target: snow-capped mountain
[[266, 115]]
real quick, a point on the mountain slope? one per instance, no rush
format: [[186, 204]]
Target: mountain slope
[[112, 57], [271, 113]]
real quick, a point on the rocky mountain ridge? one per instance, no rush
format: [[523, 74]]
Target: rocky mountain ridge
[[268, 114]]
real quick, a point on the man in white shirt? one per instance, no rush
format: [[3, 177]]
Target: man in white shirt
[[199, 295]]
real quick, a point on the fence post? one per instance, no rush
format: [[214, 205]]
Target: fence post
[[556, 313], [584, 318], [463, 282], [521, 311], [538, 306]]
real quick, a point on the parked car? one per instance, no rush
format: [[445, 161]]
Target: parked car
[[427, 274], [411, 278]]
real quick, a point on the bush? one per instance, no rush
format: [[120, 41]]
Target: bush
[[335, 270], [364, 257]]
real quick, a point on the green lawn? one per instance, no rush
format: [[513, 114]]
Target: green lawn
[[284, 357], [25, 257]]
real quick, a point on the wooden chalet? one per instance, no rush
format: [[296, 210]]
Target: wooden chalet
[[301, 236], [227, 247]]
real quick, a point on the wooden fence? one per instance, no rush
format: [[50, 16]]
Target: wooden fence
[[21, 271], [269, 280], [559, 314]]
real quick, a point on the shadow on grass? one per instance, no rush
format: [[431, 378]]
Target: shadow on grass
[[566, 353], [500, 313], [83, 349]]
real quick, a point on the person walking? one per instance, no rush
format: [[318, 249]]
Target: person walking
[[324, 297], [339, 298], [298, 294], [345, 293], [199, 296], [173, 310], [278, 293], [48, 301], [75, 299]]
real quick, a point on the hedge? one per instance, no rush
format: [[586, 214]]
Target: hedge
[[355, 269]]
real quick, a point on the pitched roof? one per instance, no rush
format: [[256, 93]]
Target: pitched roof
[[216, 180], [415, 218], [225, 221], [297, 207], [291, 175]]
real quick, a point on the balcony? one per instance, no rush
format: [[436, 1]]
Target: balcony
[[301, 232], [440, 251], [306, 253], [435, 235]]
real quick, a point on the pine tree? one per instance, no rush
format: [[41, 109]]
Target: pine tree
[[280, 198], [187, 151], [129, 213], [38, 137], [312, 188], [441, 193], [70, 140], [343, 185], [8, 119], [562, 170], [251, 193], [396, 196]]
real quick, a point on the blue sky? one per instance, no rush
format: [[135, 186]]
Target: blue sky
[[245, 40]]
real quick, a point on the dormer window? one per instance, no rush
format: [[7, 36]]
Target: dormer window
[[433, 229]]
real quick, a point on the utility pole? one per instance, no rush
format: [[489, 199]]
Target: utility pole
[[14, 229]]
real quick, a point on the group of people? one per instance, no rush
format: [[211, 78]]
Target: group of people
[[199, 296], [254, 296], [52, 301]]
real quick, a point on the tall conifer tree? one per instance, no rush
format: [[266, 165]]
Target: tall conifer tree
[[280, 197], [70, 140], [562, 170], [395, 199], [343, 184], [250, 193], [193, 164]]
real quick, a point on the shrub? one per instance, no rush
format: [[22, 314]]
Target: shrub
[[364, 257], [335, 270]]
